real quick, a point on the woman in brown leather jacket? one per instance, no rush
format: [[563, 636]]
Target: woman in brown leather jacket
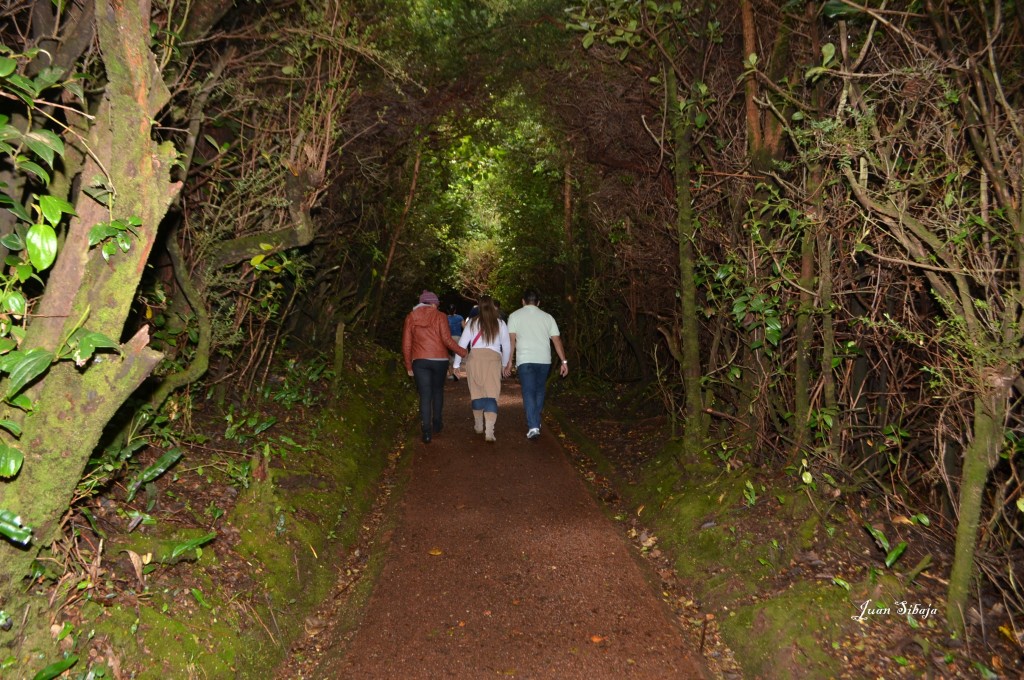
[[426, 340]]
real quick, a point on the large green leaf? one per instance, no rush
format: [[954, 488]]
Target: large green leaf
[[44, 144], [28, 166], [28, 367], [153, 471], [41, 241], [192, 544], [10, 461], [53, 208]]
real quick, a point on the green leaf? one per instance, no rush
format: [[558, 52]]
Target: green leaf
[[10, 461], [266, 424], [11, 426], [192, 544], [23, 402], [12, 241], [26, 85], [84, 344], [41, 241], [7, 66], [837, 9], [28, 166], [53, 208], [12, 528], [101, 232], [198, 595], [153, 471], [878, 536], [15, 303], [828, 53], [31, 365], [14, 206], [23, 271], [44, 144], [75, 88], [814, 72], [894, 554], [48, 77], [55, 669]]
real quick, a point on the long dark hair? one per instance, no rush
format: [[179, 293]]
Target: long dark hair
[[487, 320]]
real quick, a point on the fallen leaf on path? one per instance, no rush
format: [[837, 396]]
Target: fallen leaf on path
[[597, 639], [436, 551]]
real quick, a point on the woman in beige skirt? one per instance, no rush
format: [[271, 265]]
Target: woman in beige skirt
[[486, 337]]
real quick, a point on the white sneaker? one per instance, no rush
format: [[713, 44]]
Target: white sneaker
[[533, 433]]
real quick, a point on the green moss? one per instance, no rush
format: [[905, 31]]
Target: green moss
[[174, 634], [784, 636]]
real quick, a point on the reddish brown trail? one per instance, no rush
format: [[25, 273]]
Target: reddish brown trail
[[503, 565]]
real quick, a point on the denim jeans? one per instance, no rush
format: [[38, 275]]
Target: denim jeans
[[533, 378], [430, 375]]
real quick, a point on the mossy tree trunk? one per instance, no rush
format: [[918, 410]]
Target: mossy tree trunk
[[72, 405], [681, 122], [979, 459]]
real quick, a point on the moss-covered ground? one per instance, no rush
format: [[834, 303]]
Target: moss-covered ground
[[213, 569]]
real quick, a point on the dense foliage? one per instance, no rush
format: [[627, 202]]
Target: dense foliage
[[795, 226]]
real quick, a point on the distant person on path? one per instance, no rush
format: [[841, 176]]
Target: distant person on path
[[533, 332], [490, 354], [426, 340], [455, 324]]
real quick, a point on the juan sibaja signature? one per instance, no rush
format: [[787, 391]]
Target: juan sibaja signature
[[900, 608]]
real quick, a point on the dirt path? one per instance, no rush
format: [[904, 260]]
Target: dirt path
[[503, 565]]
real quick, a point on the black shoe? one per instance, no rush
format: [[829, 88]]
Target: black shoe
[[426, 437], [455, 377], [438, 427]]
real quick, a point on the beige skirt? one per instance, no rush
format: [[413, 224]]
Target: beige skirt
[[483, 373]]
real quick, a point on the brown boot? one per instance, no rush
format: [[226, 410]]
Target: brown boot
[[478, 422], [489, 420]]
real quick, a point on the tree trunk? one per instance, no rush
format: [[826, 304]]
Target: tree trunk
[[71, 405], [979, 459], [804, 341], [686, 230]]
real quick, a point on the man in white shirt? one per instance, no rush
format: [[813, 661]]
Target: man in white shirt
[[533, 332]]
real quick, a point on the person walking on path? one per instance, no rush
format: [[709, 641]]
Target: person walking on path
[[426, 340], [533, 332], [490, 354], [455, 324]]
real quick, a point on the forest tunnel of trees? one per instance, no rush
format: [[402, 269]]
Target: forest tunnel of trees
[[795, 227]]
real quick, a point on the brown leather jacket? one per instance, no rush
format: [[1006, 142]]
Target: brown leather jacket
[[426, 335]]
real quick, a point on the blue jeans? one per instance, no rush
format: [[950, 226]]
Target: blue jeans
[[533, 378], [430, 375]]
